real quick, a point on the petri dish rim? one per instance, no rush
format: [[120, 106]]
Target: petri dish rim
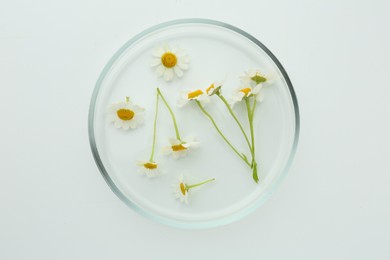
[[181, 224]]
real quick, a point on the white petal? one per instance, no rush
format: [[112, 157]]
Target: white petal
[[259, 97], [185, 59], [160, 70], [118, 123], [158, 52], [181, 154], [139, 120], [245, 81], [166, 150], [155, 62], [174, 141], [175, 155], [138, 110], [182, 102], [182, 54], [167, 48], [173, 49], [141, 163], [112, 117], [232, 102], [168, 74], [204, 98], [132, 124], [257, 89], [191, 144], [251, 73], [182, 65], [178, 71], [141, 170]]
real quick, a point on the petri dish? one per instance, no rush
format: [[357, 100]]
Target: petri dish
[[218, 52]]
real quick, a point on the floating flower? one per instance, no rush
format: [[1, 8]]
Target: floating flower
[[126, 115], [239, 93], [253, 78], [170, 61], [198, 95], [148, 168], [180, 188], [178, 148], [214, 88]]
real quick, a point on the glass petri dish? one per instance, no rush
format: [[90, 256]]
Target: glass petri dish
[[218, 52]]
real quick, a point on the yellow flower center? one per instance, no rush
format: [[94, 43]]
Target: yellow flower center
[[194, 94], [150, 165], [246, 91], [169, 59], [183, 189], [258, 78], [125, 114], [178, 147], [209, 88]]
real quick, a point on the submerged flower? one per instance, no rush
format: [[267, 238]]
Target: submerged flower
[[178, 148], [253, 78], [126, 115], [180, 188], [169, 61], [198, 95], [148, 168]]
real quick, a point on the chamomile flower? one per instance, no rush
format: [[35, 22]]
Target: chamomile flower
[[178, 148], [170, 61], [239, 93], [214, 88], [180, 188], [148, 168], [253, 78], [126, 115], [198, 95]]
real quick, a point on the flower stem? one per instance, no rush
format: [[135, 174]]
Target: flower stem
[[235, 119], [172, 115], [243, 157], [250, 118], [254, 107], [154, 129], [199, 184]]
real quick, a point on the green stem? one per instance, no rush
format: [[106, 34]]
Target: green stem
[[154, 129], [172, 115], [236, 119], [198, 184], [254, 107], [221, 134], [250, 118]]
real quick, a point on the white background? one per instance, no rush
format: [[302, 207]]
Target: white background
[[334, 204]]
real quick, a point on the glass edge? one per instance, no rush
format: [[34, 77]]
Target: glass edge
[[181, 224]]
